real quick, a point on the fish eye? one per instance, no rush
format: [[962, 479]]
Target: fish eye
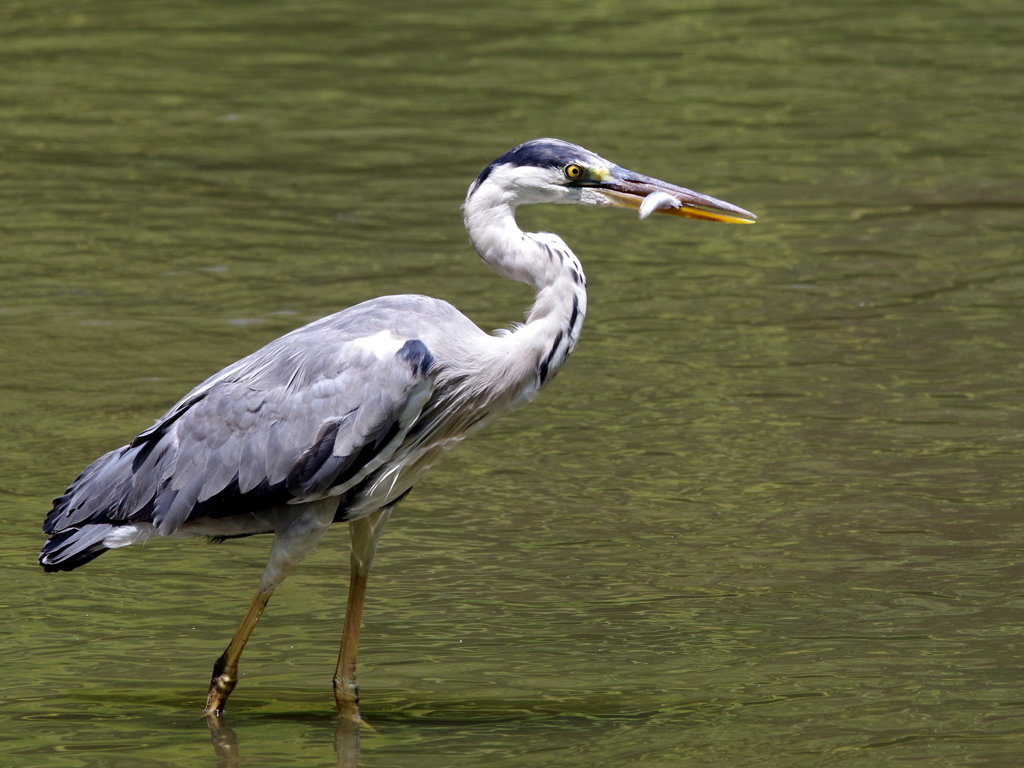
[[573, 171]]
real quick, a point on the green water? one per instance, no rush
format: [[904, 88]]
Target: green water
[[769, 515]]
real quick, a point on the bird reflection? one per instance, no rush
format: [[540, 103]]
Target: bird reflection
[[228, 751]]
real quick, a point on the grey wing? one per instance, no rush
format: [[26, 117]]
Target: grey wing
[[308, 415]]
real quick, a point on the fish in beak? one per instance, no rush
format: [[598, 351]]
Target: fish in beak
[[626, 189]]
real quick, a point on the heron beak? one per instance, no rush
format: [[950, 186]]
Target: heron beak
[[626, 189]]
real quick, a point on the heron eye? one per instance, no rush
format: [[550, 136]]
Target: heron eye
[[573, 171]]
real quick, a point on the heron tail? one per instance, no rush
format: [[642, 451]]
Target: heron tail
[[73, 547], [81, 518]]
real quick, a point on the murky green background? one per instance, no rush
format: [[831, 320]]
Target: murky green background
[[769, 515]]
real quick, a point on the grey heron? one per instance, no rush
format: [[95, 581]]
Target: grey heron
[[337, 420]]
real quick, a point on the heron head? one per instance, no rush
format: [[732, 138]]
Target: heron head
[[554, 171]]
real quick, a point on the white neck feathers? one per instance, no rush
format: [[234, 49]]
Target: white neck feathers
[[539, 259]]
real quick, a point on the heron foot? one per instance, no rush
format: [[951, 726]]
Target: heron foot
[[346, 697], [222, 683]]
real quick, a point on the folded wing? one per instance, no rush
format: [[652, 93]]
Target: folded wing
[[311, 414]]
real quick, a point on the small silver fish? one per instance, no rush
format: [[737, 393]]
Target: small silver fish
[[657, 201]]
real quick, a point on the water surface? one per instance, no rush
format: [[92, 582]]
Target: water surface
[[768, 515]]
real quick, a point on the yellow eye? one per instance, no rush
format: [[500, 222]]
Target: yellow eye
[[573, 171]]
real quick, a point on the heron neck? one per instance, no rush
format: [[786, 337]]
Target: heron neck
[[544, 262], [490, 218]]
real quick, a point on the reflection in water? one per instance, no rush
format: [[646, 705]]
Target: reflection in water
[[229, 752], [225, 742], [346, 743]]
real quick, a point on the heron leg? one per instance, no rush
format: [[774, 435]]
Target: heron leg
[[297, 530], [365, 534], [225, 669]]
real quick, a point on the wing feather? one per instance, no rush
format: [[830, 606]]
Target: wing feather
[[259, 433], [289, 423]]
